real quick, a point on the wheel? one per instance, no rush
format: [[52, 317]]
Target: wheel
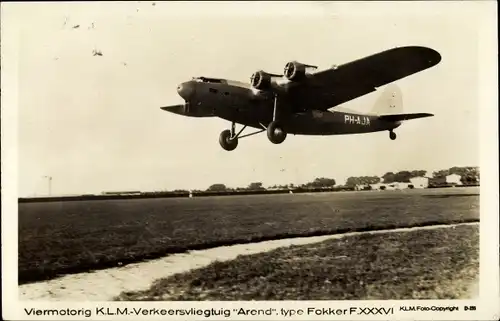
[[275, 133], [226, 142], [392, 135]]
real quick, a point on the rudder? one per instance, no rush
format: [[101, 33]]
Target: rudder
[[389, 102]]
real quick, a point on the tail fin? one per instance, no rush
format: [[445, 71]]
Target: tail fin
[[389, 106], [389, 102]]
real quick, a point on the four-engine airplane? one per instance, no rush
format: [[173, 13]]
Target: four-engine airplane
[[299, 101]]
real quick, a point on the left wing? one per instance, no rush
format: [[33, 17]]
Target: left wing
[[332, 87]]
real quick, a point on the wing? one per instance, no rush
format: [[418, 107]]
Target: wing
[[333, 87], [401, 117]]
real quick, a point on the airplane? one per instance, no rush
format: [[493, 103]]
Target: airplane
[[303, 100]]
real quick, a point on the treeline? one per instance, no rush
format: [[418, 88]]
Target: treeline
[[469, 175], [387, 178], [318, 183]]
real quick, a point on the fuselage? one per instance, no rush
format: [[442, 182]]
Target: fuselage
[[240, 103]]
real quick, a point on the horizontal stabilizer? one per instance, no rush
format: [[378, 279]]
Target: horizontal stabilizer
[[188, 110], [401, 117]]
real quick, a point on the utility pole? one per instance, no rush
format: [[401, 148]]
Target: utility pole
[[49, 178]]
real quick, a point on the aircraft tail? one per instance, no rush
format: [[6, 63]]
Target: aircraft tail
[[389, 106], [389, 102]]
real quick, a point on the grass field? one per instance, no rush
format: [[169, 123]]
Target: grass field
[[423, 264], [68, 237]]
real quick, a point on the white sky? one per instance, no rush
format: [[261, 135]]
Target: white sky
[[94, 124]]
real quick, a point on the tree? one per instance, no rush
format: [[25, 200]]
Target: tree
[[321, 182], [441, 173], [389, 177], [352, 181], [217, 188], [402, 177], [371, 179], [418, 173], [362, 180], [255, 186]]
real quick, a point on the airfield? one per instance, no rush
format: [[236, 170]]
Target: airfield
[[405, 244]]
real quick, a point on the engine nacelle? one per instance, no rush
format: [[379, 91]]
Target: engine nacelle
[[261, 80], [296, 71]]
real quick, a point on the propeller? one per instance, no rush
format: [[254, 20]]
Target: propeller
[[289, 69], [255, 79]]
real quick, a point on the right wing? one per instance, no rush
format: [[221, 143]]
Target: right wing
[[332, 87]]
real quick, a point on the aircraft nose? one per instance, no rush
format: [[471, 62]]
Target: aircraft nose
[[185, 90]]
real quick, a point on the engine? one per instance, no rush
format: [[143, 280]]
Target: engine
[[296, 71], [261, 80]]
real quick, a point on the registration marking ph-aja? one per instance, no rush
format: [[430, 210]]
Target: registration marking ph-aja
[[358, 120]]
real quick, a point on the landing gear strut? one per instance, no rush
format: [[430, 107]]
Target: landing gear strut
[[228, 139], [275, 133], [392, 135]]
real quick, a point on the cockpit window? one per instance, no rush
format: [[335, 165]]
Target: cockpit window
[[208, 80]]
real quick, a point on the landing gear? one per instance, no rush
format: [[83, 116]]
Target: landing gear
[[392, 135], [228, 139], [275, 133]]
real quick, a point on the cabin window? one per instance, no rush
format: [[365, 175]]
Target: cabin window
[[212, 90], [226, 93]]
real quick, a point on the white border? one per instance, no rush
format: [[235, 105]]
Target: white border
[[487, 305]]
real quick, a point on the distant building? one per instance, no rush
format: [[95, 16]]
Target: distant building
[[364, 187], [419, 182], [122, 193], [384, 187], [377, 187], [400, 185], [454, 179], [391, 186], [359, 187]]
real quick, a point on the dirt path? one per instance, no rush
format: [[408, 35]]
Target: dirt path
[[103, 285]]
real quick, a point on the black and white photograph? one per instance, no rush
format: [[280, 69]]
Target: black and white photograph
[[208, 155]]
